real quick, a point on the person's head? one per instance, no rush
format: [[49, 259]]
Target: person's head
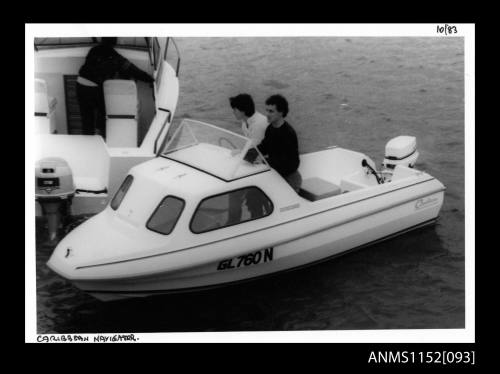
[[276, 108], [243, 106], [109, 41]]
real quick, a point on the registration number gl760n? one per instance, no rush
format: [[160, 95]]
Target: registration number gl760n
[[261, 256]]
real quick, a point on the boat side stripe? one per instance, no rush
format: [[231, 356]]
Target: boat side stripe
[[283, 223], [193, 289]]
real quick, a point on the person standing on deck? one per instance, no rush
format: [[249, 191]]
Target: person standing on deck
[[102, 63]]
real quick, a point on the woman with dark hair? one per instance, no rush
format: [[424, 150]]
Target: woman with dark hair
[[102, 63], [253, 123]]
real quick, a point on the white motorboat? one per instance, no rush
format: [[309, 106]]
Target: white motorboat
[[138, 116], [199, 215]]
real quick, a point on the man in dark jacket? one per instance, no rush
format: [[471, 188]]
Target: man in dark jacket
[[102, 63], [280, 143]]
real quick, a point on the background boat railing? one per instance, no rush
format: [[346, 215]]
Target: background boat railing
[[174, 58]]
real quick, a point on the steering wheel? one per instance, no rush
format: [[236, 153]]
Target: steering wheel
[[227, 140]]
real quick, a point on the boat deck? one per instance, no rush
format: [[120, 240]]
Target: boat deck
[[60, 72]]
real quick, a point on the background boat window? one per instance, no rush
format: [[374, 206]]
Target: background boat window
[[166, 215], [138, 43], [231, 209], [120, 194]]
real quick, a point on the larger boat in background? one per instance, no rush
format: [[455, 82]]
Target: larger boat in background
[[85, 169], [200, 215]]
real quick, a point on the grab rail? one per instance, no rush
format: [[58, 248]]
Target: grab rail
[[150, 52], [167, 120], [178, 55]]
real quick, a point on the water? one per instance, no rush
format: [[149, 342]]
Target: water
[[353, 92]]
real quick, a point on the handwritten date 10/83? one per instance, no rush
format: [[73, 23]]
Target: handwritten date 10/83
[[447, 29]]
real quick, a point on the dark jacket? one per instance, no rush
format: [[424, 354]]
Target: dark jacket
[[103, 62], [281, 145]]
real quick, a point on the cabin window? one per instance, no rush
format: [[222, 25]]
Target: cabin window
[[166, 215], [230, 209], [122, 191]]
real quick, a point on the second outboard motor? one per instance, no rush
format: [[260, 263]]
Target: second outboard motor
[[54, 190], [401, 150]]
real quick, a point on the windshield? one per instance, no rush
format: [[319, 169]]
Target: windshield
[[214, 150], [125, 42]]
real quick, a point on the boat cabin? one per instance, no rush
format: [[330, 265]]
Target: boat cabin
[[203, 180]]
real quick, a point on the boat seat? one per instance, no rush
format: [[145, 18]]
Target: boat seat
[[45, 106], [315, 188], [120, 97]]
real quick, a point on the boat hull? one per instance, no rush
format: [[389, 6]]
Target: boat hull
[[327, 241]]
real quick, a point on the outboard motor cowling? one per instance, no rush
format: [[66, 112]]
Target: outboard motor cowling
[[54, 190], [401, 150]]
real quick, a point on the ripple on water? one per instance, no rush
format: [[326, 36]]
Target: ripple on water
[[275, 84], [306, 325]]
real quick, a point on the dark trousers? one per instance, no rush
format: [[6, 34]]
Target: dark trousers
[[257, 204], [294, 180], [92, 109]]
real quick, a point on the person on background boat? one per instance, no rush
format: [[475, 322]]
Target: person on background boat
[[280, 144], [102, 63], [253, 126]]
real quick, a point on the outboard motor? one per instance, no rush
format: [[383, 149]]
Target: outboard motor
[[401, 150], [54, 190]]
